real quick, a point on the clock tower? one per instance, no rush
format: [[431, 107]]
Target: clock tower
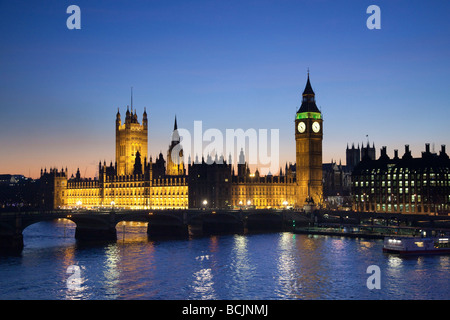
[[308, 145]]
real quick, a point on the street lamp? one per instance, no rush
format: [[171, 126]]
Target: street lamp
[[205, 202]]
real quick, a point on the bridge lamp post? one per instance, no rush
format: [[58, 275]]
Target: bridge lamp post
[[112, 205], [249, 203], [205, 202], [79, 203], [285, 203]]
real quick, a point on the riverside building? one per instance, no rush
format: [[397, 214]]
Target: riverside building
[[403, 185], [135, 181]]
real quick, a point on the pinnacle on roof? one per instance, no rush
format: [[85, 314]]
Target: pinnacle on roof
[[175, 135], [308, 101], [308, 88]]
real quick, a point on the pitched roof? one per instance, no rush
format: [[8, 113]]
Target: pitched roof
[[308, 88], [308, 101]]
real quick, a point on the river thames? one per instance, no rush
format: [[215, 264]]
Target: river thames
[[269, 266]]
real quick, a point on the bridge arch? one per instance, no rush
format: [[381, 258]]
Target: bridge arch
[[12, 230], [31, 222], [61, 231]]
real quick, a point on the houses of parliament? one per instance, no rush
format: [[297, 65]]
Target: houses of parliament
[[136, 181]]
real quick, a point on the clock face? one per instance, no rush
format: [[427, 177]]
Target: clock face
[[316, 127], [301, 127]]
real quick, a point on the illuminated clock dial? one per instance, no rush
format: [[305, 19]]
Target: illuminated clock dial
[[301, 127], [316, 127]]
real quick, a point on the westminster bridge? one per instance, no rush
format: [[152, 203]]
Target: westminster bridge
[[101, 225], [92, 225]]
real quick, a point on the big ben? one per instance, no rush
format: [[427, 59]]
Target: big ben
[[308, 142]]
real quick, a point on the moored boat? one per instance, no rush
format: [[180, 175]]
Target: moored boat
[[416, 245]]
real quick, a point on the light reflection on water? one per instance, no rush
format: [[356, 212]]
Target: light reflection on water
[[255, 266]]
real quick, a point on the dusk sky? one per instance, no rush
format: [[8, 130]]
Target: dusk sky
[[230, 64]]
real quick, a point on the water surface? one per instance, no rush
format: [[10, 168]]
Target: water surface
[[254, 266]]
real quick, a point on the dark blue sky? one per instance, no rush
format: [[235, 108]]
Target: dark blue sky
[[230, 64]]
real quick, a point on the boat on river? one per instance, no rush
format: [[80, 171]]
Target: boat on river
[[417, 245]]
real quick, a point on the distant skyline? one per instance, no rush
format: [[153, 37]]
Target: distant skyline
[[230, 64]]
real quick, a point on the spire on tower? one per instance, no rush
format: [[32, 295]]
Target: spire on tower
[[308, 101], [118, 120], [175, 135], [308, 88]]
